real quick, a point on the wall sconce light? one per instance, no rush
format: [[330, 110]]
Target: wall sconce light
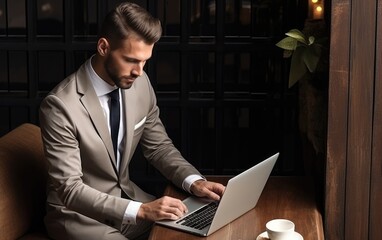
[[316, 9]]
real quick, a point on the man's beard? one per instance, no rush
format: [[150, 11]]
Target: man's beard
[[110, 71]]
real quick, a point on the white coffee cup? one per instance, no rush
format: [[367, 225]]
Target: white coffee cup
[[280, 229]]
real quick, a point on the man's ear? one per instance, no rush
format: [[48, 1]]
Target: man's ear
[[103, 46]]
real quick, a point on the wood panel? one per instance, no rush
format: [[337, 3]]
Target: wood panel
[[354, 169], [360, 119], [376, 170], [337, 120]]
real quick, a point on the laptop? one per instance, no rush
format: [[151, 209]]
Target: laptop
[[242, 192]]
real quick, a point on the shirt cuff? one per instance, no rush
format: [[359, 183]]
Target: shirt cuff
[[130, 216], [188, 181]]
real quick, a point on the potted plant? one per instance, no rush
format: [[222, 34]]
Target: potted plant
[[308, 70], [305, 53]]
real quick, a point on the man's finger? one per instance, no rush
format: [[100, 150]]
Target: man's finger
[[179, 205]]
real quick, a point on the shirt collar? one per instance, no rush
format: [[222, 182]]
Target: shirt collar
[[100, 86]]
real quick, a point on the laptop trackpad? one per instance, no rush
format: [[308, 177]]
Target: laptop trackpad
[[194, 203]]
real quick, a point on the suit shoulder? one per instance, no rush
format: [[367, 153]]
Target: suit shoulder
[[143, 81], [68, 82], [75, 84]]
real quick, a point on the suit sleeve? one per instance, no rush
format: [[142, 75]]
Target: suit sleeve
[[60, 137], [159, 149]]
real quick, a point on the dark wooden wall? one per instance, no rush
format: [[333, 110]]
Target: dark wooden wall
[[220, 81], [376, 166], [354, 170]]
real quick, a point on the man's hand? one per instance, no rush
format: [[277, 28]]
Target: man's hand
[[211, 190], [162, 208]]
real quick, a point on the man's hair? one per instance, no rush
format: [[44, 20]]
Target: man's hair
[[129, 19]]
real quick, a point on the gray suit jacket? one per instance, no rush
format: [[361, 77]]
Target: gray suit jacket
[[85, 187]]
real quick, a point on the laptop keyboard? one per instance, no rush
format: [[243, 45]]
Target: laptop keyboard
[[201, 217]]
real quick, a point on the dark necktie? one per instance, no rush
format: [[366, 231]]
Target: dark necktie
[[114, 118]]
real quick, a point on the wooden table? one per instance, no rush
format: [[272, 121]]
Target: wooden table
[[283, 197]]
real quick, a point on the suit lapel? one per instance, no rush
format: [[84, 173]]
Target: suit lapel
[[91, 103], [129, 105]]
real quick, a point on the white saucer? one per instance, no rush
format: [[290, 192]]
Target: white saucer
[[264, 236]]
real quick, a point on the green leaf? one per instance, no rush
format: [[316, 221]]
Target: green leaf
[[298, 35], [297, 67], [311, 40], [287, 43], [311, 56]]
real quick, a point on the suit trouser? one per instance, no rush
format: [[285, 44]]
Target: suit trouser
[[85, 228], [141, 231]]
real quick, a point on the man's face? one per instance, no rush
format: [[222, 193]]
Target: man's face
[[125, 63]]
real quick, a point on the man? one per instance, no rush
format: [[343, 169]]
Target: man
[[90, 195]]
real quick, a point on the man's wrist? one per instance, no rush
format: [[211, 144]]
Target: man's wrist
[[131, 212], [188, 181]]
